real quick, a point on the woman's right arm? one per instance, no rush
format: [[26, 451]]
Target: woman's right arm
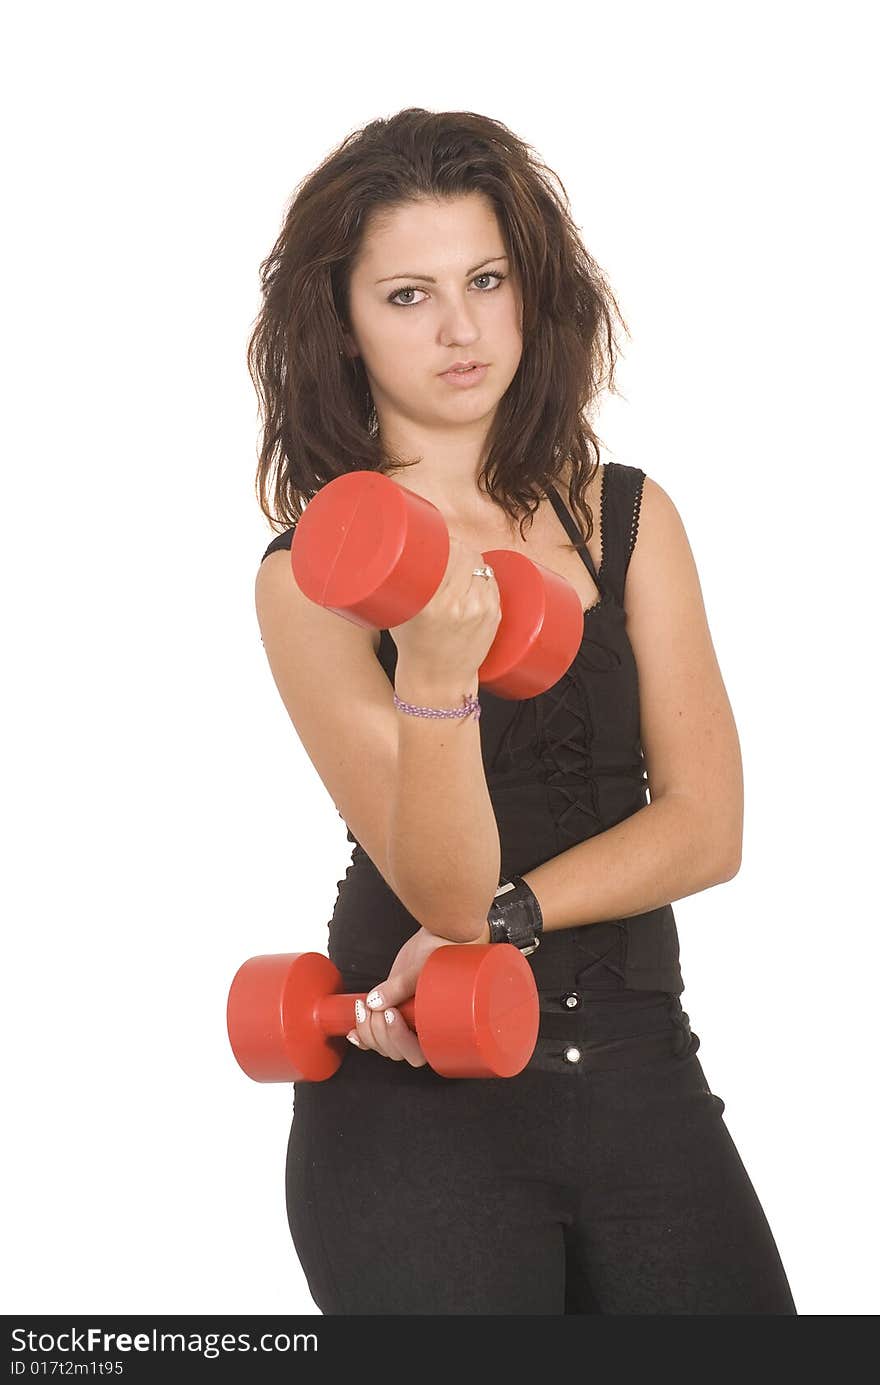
[[443, 844], [412, 790]]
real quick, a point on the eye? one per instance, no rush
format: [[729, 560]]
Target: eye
[[411, 288]]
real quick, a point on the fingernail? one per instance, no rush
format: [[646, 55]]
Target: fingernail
[[353, 1039], [360, 1011], [389, 1016], [375, 999]]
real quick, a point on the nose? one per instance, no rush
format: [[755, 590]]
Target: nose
[[458, 322]]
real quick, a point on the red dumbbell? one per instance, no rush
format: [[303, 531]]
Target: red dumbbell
[[475, 1012], [375, 552]]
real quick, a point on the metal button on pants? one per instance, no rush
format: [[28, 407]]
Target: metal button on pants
[[581, 1032]]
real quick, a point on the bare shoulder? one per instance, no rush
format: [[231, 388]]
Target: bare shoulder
[[689, 735], [660, 527]]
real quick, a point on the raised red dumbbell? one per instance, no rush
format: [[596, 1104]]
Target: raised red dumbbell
[[375, 553], [475, 1012]]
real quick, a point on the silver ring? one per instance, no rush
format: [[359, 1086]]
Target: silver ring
[[486, 571]]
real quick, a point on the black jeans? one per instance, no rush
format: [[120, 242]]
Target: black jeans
[[601, 1179]]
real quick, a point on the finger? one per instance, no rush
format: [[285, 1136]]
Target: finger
[[371, 1028], [363, 1028], [402, 1039], [394, 990], [383, 1036]]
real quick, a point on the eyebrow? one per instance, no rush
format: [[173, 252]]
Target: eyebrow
[[426, 278]]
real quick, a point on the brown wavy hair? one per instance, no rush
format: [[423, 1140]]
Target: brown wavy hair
[[316, 407]]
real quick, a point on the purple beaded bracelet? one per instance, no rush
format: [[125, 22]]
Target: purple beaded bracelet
[[470, 704]]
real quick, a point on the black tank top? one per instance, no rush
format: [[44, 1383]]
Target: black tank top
[[560, 768]]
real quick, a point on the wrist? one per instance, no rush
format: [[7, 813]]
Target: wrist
[[515, 916], [424, 688]]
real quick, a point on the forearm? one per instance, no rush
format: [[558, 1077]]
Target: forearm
[[444, 853], [663, 852]]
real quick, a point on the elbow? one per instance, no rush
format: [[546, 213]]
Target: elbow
[[730, 863], [457, 925], [476, 933], [459, 920], [724, 827]]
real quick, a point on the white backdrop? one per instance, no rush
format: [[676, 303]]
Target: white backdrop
[[162, 819]]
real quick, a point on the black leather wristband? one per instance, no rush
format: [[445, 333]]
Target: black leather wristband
[[515, 916]]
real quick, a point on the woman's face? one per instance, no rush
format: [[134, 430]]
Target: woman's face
[[409, 331]]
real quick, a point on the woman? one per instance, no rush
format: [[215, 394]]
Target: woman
[[602, 1178]]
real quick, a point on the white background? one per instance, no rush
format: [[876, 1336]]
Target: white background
[[163, 822]]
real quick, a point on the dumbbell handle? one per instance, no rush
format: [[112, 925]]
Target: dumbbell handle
[[334, 1014]]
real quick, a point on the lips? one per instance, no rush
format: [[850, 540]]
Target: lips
[[462, 367], [465, 379]]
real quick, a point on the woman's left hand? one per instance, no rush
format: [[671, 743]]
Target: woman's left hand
[[382, 1026]]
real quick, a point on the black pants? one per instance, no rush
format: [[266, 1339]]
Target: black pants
[[601, 1179]]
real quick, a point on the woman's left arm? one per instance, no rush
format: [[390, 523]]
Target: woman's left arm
[[689, 837]]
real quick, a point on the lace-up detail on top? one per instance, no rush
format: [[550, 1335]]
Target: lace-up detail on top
[[553, 734]]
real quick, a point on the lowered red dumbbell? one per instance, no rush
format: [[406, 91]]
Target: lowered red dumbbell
[[475, 1012], [375, 552]]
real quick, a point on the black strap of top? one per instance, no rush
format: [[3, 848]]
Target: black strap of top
[[620, 523], [618, 526], [284, 540], [574, 533]]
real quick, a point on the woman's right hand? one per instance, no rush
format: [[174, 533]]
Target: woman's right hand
[[454, 632], [395, 1039]]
